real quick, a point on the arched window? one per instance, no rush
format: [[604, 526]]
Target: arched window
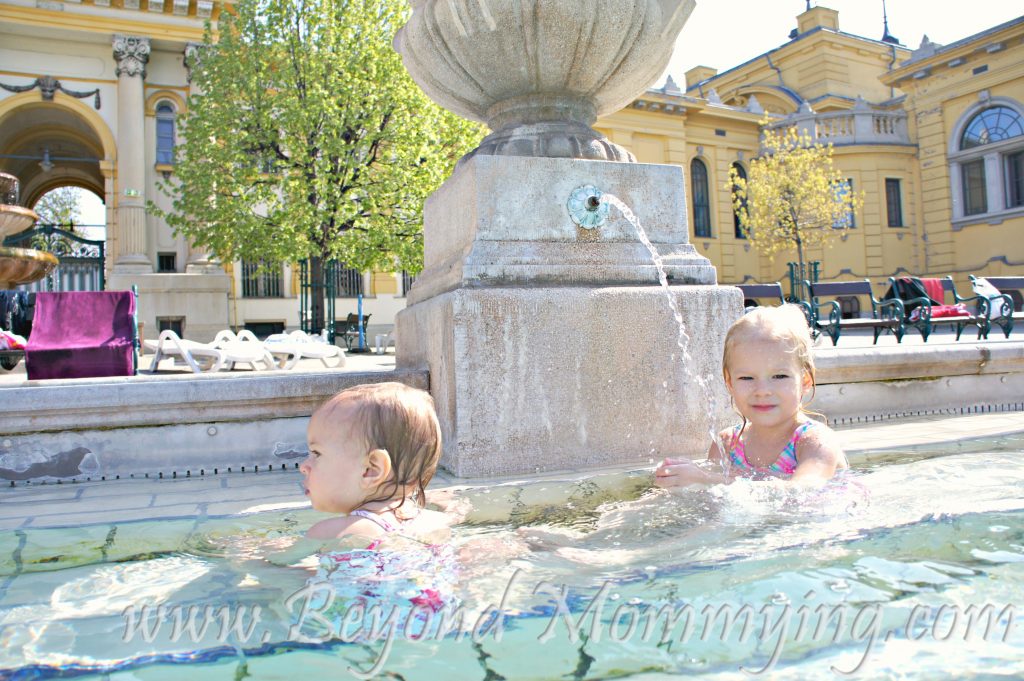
[[701, 199], [165, 133], [737, 227], [992, 142]]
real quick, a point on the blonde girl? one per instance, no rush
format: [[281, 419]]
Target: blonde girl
[[769, 373]]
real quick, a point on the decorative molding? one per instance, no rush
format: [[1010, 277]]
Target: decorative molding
[[156, 6], [204, 9], [130, 4], [131, 54], [49, 86], [193, 56], [180, 7], [101, 3]]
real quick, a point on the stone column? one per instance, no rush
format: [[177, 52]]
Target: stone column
[[199, 259], [131, 54]]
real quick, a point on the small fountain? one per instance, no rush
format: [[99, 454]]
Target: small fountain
[[539, 312], [19, 265]]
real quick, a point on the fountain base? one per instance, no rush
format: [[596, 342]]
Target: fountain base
[[531, 379]]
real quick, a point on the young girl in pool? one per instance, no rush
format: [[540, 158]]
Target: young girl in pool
[[768, 370], [372, 451]]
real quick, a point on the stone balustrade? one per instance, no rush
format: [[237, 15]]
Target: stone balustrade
[[860, 125]]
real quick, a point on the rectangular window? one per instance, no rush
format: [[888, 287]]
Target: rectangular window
[[844, 190], [165, 140], [260, 284], [975, 200], [347, 282], [264, 329], [893, 202], [407, 282], [175, 324], [166, 262], [1015, 180]]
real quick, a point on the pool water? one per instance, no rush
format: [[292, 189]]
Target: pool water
[[599, 581]]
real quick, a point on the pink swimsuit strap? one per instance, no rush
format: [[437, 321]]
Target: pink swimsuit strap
[[383, 524], [785, 463]]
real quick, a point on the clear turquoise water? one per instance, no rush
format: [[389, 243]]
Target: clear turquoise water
[[920, 529]]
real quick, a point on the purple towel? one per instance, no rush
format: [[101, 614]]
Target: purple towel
[[78, 334]]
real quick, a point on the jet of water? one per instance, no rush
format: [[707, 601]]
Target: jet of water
[[683, 338]]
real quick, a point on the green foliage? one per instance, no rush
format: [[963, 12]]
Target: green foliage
[[310, 139], [59, 207]]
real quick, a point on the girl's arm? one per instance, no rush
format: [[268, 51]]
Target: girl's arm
[[819, 455], [682, 472]]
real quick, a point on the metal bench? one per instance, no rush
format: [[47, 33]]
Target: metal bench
[[773, 292], [348, 329], [926, 323], [886, 315], [1010, 310]]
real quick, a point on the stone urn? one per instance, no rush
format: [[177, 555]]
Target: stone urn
[[19, 265], [13, 218], [540, 72]]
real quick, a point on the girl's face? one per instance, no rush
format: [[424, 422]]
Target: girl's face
[[766, 381], [333, 473]]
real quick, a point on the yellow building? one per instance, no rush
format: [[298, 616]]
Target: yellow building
[[90, 95], [932, 137], [90, 91]]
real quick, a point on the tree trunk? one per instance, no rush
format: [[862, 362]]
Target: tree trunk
[[803, 272], [317, 294]]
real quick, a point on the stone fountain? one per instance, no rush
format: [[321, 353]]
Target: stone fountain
[[549, 342], [19, 265]]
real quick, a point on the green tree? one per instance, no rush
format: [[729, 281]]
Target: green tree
[[60, 207], [310, 140], [793, 196]]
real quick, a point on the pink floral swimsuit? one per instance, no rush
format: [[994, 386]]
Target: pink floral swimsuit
[[784, 465], [412, 575]]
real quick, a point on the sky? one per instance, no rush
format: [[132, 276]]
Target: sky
[[713, 36], [726, 33]]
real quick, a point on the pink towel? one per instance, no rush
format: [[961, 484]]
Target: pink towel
[[78, 334], [934, 289]]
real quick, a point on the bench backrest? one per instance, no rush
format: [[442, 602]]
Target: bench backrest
[[762, 291], [841, 288], [1006, 282]]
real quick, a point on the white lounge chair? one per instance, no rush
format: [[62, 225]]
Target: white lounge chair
[[289, 348], [243, 348], [198, 356]]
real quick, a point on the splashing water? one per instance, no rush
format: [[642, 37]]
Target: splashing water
[[683, 338]]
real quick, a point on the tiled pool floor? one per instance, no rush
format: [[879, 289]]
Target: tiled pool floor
[[79, 504]]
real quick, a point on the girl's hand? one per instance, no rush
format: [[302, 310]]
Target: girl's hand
[[678, 473]]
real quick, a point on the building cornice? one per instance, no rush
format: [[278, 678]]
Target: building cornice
[[101, 20], [804, 42], [996, 39]]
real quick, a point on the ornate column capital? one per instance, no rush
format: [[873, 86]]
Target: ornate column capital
[[131, 53], [193, 56]]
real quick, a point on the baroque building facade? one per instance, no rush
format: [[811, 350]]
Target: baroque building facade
[[91, 92], [933, 138]]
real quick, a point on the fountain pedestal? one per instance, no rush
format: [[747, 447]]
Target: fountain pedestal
[[551, 346], [549, 341]]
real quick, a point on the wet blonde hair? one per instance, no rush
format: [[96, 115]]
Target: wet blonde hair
[[402, 421], [784, 324]]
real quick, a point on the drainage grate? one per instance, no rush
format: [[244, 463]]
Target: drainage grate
[[917, 413]]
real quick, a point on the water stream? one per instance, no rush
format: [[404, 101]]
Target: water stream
[[683, 338]]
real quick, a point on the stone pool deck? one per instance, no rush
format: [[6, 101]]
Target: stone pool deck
[[27, 506]]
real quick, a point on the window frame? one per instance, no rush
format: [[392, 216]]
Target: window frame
[[984, 161], [738, 231], [705, 206], [894, 218], [166, 114]]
